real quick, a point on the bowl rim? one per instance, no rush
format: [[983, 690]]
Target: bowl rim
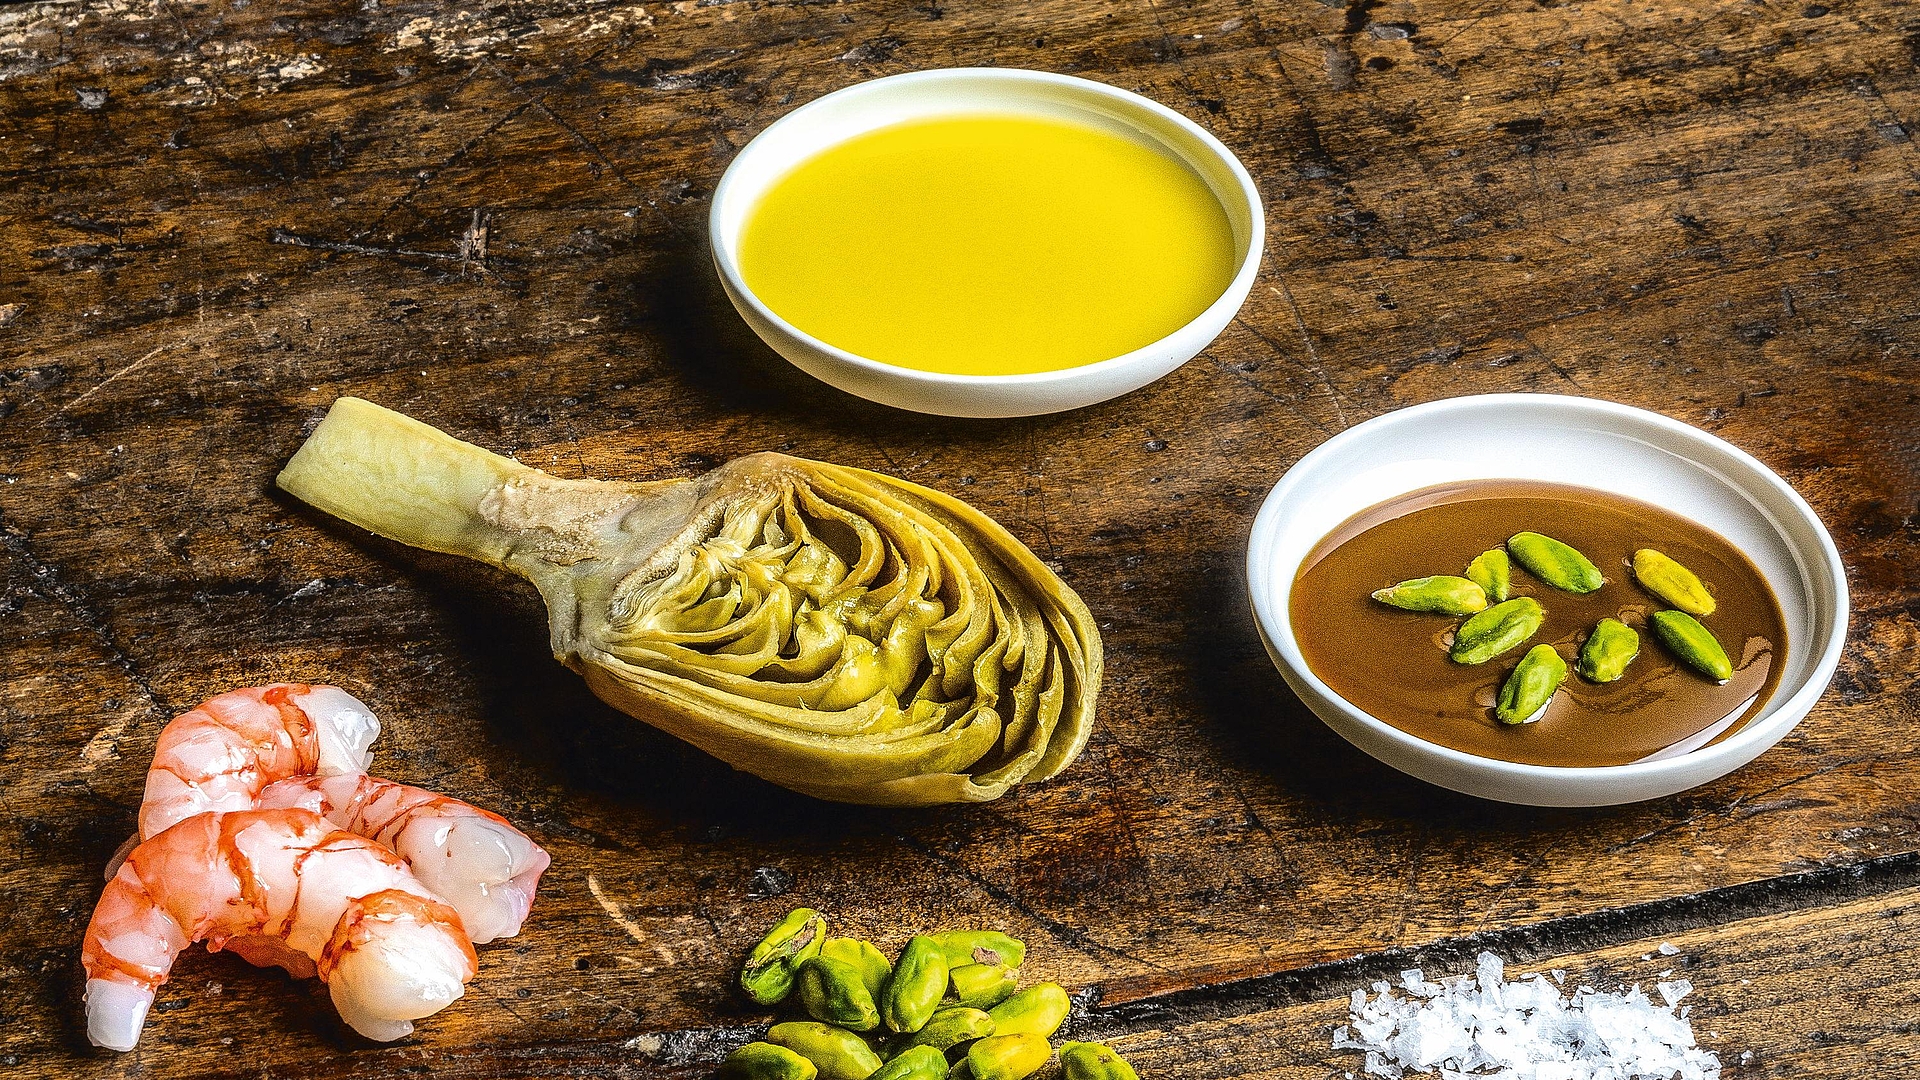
[[1778, 717], [1238, 285]]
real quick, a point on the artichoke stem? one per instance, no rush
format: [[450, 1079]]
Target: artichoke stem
[[399, 478]]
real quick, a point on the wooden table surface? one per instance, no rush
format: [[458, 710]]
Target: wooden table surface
[[215, 217]]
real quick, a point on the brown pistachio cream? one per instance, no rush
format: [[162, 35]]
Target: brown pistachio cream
[[1678, 597]]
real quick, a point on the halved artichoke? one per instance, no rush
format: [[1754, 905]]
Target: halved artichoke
[[838, 632]]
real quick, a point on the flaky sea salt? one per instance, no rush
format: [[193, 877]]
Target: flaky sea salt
[[1672, 992], [1483, 1025]]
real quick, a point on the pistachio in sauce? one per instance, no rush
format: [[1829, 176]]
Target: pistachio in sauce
[[1660, 698]]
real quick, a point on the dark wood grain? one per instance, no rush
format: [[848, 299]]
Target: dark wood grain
[[1830, 991], [217, 217]]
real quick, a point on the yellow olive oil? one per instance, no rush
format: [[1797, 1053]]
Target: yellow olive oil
[[989, 245]]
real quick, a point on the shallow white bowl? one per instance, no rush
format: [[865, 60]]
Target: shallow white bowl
[[858, 109], [1567, 440]]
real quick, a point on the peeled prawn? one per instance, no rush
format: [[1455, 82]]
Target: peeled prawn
[[469, 857], [278, 887], [219, 756]]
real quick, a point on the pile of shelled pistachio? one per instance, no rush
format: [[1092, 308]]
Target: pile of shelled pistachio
[[952, 995]]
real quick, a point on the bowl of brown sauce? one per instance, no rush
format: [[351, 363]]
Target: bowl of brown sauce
[[1399, 588]]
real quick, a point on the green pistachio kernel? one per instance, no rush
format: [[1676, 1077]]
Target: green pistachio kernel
[[772, 965], [1493, 572], [837, 1054], [765, 1061], [1531, 685], [1605, 654], [832, 992], [919, 982], [869, 961], [1555, 563], [1040, 1009], [1497, 629], [1441, 594], [1668, 580], [950, 1026], [982, 985], [1693, 643], [980, 947], [1094, 1061], [914, 1063], [1008, 1057]]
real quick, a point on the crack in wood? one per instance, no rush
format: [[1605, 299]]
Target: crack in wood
[[49, 583], [1576, 933]]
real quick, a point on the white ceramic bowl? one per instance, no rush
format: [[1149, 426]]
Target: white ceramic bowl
[[1567, 440], [858, 109]]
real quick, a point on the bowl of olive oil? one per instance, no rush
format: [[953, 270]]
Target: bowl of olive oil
[[986, 241]]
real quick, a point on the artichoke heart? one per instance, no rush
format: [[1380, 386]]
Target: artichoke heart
[[835, 631]]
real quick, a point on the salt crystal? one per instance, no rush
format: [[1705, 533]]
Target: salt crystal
[[1490, 969], [1481, 1026], [1667, 949], [1414, 981], [1378, 1066]]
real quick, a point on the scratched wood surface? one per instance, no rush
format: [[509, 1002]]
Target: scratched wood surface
[[216, 217], [1831, 991]]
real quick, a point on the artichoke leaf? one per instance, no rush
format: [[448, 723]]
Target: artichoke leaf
[[839, 632], [817, 641], [812, 761]]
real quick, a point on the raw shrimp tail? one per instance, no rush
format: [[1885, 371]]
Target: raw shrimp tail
[[130, 946], [116, 1013], [277, 887]]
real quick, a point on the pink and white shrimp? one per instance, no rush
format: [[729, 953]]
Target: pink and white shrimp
[[469, 857], [221, 754], [278, 887]]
